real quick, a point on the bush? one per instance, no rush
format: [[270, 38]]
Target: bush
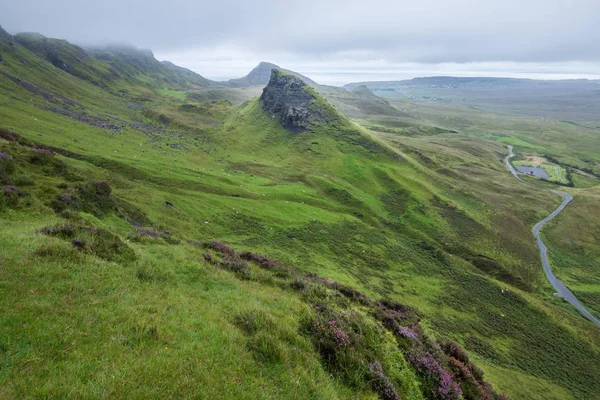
[[141, 234], [452, 349], [41, 156], [237, 265], [99, 242], [103, 189], [347, 345], [92, 197], [7, 167], [12, 195], [381, 384], [8, 135]]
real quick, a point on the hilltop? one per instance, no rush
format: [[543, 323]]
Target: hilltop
[[260, 75], [297, 105]]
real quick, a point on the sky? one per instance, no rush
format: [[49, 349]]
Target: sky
[[336, 41]]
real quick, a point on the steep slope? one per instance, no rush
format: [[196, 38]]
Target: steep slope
[[131, 62], [261, 74], [113, 66]]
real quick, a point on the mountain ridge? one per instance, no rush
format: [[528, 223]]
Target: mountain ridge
[[260, 75]]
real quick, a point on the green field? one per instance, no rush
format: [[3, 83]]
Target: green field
[[404, 216]]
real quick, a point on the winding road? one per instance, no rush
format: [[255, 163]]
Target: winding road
[[562, 290]]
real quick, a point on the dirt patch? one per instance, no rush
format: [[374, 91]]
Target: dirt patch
[[536, 160]]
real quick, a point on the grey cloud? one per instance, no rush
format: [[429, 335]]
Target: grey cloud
[[423, 31]]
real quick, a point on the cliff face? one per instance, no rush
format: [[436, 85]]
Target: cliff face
[[292, 101]]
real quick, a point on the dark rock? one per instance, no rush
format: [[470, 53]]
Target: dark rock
[[5, 35], [290, 99]]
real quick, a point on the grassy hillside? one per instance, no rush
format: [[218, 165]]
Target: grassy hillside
[[378, 248]]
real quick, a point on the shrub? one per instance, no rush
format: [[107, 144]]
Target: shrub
[[395, 315], [66, 201], [262, 261], [41, 156], [99, 242], [103, 189], [220, 247], [8, 135], [452, 349], [11, 195], [145, 233], [345, 342], [92, 197], [7, 167], [381, 384], [235, 264]]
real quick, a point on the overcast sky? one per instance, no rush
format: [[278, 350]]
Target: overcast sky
[[336, 41]]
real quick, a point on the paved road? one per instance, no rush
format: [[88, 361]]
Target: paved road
[[562, 290]]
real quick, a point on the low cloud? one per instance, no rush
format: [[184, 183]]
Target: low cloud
[[239, 33]]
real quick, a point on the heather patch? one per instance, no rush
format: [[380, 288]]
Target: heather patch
[[11, 196], [152, 236], [92, 197], [41, 156], [7, 167], [368, 345], [96, 241]]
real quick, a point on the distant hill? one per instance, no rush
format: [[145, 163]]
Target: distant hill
[[451, 82], [574, 100], [260, 76]]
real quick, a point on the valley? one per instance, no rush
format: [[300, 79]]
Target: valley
[[166, 236]]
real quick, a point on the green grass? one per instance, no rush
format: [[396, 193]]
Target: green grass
[[432, 221], [176, 94]]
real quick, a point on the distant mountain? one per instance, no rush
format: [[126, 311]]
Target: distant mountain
[[260, 76], [574, 100], [451, 82]]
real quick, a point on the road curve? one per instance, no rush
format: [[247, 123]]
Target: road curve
[[562, 290]]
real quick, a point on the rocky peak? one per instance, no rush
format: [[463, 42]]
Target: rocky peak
[[5, 37], [292, 101], [4, 34]]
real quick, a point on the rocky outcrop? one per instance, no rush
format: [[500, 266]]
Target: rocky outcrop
[[4, 35], [292, 101]]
